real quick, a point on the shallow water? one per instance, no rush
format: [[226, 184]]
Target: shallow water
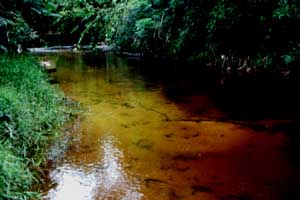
[[133, 142]]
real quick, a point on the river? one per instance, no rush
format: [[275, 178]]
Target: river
[[139, 139]]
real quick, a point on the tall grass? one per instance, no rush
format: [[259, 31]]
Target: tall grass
[[31, 112]]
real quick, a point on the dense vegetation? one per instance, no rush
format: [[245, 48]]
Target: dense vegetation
[[245, 35], [30, 113]]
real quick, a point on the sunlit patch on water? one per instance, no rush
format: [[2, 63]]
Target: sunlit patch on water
[[114, 179], [106, 178], [72, 183]]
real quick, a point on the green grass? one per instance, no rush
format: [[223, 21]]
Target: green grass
[[31, 113]]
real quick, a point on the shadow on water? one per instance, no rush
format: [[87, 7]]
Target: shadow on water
[[248, 97], [260, 99], [155, 130]]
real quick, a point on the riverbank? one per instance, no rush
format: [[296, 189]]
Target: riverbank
[[31, 113]]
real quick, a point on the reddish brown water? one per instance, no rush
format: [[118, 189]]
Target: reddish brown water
[[133, 143]]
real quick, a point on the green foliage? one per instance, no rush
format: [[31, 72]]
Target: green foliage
[[185, 30], [19, 31], [175, 3], [138, 26], [288, 59], [143, 27], [81, 21], [181, 29], [144, 31], [15, 178], [285, 9], [15, 29], [31, 111], [223, 15], [122, 24]]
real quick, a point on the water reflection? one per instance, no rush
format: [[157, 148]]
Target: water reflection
[[72, 183], [105, 179], [114, 180]]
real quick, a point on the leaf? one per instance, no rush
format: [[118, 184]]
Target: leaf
[[288, 59]]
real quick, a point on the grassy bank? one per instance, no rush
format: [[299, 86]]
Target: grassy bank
[[31, 112]]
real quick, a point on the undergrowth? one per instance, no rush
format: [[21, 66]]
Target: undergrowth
[[31, 113]]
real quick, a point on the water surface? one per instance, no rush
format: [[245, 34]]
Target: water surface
[[134, 142]]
